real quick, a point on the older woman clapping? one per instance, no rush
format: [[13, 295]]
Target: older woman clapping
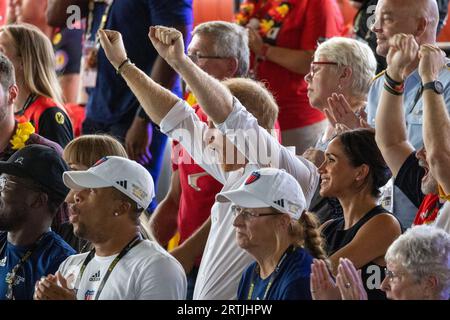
[[417, 269], [272, 226], [338, 82]]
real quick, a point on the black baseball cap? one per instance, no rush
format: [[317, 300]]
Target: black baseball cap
[[41, 164]]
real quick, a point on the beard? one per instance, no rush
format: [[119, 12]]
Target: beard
[[10, 220], [5, 224], [429, 185], [81, 231]]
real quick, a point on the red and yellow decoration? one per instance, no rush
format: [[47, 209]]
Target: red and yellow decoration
[[190, 98], [23, 132], [442, 194], [276, 10]]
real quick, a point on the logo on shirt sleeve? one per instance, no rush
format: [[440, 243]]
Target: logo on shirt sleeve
[[62, 59], [59, 117]]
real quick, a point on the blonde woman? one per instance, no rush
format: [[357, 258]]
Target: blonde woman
[[39, 100]]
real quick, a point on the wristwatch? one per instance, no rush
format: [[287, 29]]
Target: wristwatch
[[436, 86]]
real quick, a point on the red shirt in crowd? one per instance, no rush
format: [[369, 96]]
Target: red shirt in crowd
[[3, 6], [199, 189], [428, 210], [305, 23], [49, 120]]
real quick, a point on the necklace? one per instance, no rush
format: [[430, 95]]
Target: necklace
[[23, 132], [31, 98]]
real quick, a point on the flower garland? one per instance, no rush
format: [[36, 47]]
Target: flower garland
[[277, 11], [23, 132]]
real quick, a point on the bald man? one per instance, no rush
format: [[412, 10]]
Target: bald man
[[418, 18]]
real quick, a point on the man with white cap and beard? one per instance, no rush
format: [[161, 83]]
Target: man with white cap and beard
[[109, 197]]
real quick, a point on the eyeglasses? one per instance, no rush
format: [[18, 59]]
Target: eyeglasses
[[3, 182], [197, 56], [247, 214], [390, 275], [313, 68]]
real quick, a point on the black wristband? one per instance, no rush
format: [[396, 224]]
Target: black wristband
[[391, 81], [122, 64]]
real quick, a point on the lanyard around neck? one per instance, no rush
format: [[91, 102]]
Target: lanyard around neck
[[136, 240], [30, 100], [11, 276], [91, 18], [273, 276]]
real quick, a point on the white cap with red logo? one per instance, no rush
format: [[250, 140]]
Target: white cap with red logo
[[268, 187]]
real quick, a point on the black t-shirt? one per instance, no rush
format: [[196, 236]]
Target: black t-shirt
[[409, 179], [55, 125], [336, 238]]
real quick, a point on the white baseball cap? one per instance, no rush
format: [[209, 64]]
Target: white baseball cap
[[127, 176], [268, 187]]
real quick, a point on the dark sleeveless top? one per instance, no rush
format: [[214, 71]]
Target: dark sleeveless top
[[336, 238]]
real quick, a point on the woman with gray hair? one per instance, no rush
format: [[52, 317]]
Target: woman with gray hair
[[417, 268], [338, 83], [418, 265]]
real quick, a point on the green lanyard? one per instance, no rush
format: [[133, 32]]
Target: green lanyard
[[273, 276], [136, 240]]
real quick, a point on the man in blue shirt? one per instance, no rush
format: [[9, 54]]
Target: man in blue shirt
[[112, 108], [31, 191], [420, 19]]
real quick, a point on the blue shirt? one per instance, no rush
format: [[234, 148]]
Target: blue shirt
[[111, 99], [403, 208], [291, 282], [45, 259]]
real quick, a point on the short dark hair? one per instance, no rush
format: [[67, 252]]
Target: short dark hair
[[360, 147], [135, 211], [7, 75]]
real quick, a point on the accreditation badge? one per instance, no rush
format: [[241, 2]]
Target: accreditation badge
[[89, 64]]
